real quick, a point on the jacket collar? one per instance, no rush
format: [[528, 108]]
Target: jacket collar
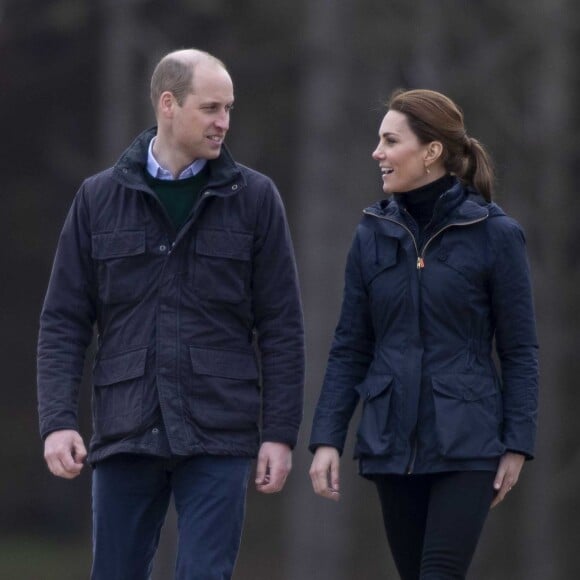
[[460, 204], [129, 168]]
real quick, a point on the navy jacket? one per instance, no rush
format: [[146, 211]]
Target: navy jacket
[[200, 334], [415, 336]]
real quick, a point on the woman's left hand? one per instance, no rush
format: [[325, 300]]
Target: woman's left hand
[[507, 475]]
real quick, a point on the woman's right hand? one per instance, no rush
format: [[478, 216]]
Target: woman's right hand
[[324, 472]]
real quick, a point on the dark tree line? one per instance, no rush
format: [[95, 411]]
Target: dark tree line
[[311, 77]]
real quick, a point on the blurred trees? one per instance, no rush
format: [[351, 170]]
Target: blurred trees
[[310, 80]]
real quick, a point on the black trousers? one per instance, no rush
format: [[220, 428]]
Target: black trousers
[[433, 522]]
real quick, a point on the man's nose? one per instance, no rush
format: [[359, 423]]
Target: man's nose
[[223, 120]]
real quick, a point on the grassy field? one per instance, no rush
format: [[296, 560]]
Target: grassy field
[[35, 558]]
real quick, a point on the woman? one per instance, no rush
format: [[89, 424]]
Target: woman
[[435, 274]]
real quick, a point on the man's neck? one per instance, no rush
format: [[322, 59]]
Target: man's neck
[[169, 158]]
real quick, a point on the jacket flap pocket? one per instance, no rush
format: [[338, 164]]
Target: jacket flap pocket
[[386, 250], [380, 253], [122, 367], [224, 244], [118, 244], [373, 386], [466, 387], [224, 363]]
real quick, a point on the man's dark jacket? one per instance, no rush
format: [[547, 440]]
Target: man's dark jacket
[[415, 340], [200, 333]]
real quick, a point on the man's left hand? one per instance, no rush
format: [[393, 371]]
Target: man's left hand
[[274, 465]]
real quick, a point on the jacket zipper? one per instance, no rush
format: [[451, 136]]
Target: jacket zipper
[[421, 258], [421, 255], [420, 266]]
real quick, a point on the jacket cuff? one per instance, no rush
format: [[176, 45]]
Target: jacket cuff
[[49, 425], [287, 436]]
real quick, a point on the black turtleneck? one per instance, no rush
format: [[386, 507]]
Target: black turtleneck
[[420, 202]]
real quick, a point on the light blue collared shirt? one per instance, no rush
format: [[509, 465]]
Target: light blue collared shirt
[[155, 170]]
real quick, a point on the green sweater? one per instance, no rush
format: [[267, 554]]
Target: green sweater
[[178, 196]]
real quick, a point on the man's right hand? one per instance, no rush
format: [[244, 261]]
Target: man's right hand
[[64, 453]]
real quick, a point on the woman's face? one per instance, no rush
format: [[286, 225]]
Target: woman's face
[[401, 156]]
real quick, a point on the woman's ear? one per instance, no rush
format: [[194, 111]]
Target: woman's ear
[[433, 152]]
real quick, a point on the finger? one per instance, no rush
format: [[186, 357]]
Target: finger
[[499, 479], [318, 476], [58, 467], [71, 473], [500, 496], [272, 486], [278, 474], [79, 452], [70, 468], [262, 476], [335, 477], [505, 488]]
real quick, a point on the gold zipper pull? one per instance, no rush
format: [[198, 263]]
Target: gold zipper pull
[[420, 263]]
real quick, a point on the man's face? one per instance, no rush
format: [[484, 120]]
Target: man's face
[[200, 124]]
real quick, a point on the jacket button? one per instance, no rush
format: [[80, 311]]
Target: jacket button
[[234, 187], [155, 430], [162, 248]]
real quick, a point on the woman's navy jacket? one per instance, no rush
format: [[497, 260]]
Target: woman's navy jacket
[[200, 334], [415, 339]]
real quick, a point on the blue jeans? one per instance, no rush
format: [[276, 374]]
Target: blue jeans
[[131, 495]]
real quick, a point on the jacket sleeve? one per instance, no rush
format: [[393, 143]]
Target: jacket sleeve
[[278, 321], [66, 324], [515, 335], [350, 356]]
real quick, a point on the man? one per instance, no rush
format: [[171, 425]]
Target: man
[[183, 260]]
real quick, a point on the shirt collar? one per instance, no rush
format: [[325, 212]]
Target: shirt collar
[[155, 170]]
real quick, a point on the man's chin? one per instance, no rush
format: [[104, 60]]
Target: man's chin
[[213, 153]]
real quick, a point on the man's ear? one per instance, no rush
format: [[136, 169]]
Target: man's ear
[[166, 103]]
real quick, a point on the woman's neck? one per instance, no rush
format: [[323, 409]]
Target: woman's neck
[[420, 202]]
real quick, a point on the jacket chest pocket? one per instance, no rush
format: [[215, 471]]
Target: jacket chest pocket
[[121, 263], [463, 256], [387, 283], [222, 265], [379, 256]]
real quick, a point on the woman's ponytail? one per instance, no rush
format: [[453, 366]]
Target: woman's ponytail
[[478, 168]]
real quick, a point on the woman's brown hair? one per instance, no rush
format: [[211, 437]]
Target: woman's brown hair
[[434, 117]]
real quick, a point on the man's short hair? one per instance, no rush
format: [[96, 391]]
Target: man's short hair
[[174, 73]]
